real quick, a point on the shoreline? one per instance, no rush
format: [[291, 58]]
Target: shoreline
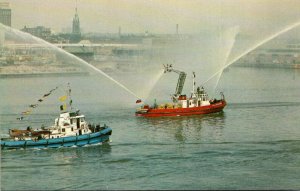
[[53, 74]]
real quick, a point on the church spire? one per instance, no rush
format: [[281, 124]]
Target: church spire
[[76, 26]]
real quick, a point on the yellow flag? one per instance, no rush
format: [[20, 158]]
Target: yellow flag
[[26, 112], [63, 98]]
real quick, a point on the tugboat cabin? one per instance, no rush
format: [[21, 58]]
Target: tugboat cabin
[[70, 124]]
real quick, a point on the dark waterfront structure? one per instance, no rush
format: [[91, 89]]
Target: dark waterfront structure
[[5, 13], [84, 52]]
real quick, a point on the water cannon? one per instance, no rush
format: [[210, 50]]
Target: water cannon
[[168, 68]]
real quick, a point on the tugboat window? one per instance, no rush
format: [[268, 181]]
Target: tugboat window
[[72, 129], [63, 130]]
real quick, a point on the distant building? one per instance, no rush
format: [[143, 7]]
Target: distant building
[[39, 31], [5, 13], [276, 53], [76, 34]]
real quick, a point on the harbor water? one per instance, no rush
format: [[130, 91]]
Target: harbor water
[[253, 144]]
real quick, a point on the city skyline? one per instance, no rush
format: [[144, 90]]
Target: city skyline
[[155, 16]]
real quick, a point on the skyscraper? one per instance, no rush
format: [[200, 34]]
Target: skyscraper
[[5, 13]]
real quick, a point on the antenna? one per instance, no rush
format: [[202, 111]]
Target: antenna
[[76, 6], [69, 95]]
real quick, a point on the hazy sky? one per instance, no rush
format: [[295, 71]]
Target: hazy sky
[[156, 16]]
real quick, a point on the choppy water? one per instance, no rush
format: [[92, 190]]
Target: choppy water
[[253, 144]]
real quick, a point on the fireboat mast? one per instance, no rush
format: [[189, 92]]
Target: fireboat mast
[[194, 84], [180, 83]]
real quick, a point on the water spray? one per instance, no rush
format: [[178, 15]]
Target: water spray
[[153, 82], [229, 48], [22, 34], [254, 47]]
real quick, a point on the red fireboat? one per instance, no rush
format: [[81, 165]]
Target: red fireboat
[[197, 104]]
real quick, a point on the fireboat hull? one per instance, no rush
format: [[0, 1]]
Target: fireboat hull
[[212, 108]]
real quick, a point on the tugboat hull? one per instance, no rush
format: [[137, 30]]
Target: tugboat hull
[[81, 140], [213, 108]]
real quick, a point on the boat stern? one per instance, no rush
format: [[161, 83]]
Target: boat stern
[[142, 110]]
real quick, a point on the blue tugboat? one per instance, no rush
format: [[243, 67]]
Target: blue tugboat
[[70, 129]]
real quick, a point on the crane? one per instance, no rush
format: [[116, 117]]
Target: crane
[[180, 83]]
